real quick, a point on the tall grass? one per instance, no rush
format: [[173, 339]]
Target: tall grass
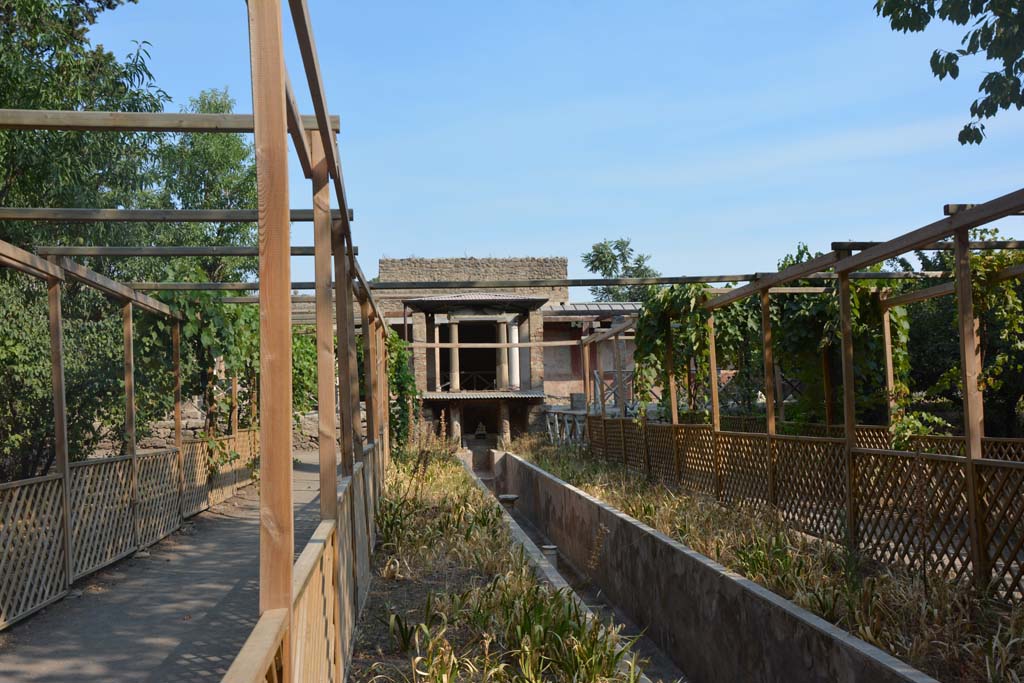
[[504, 626], [938, 627]]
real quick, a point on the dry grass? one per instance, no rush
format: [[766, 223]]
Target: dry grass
[[497, 623], [940, 628]]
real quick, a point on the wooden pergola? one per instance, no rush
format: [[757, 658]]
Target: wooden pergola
[[280, 648]]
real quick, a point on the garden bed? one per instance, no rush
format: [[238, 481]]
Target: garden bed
[[937, 627], [455, 599]]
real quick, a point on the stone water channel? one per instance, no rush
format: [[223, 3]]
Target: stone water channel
[[659, 668]]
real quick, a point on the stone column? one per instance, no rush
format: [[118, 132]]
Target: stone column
[[436, 353], [506, 425], [455, 422], [502, 356], [453, 327], [513, 355]]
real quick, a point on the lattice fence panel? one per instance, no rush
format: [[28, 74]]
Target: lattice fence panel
[[614, 440], [744, 463], [224, 463], [633, 445], [810, 484], [197, 477], [159, 508], [32, 564], [316, 620], [939, 445], [883, 493], [1001, 488], [940, 507], [696, 444], [662, 452], [595, 432], [871, 436], [997, 448], [102, 522]]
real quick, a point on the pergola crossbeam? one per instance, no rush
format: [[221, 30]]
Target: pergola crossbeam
[[8, 213], [162, 252], [112, 287], [130, 121]]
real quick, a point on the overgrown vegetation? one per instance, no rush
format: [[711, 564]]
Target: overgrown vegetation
[[923, 619], [469, 606]]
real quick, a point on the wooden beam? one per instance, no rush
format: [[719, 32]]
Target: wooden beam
[[42, 214], [296, 131], [950, 209], [945, 289], [849, 406], [28, 263], [152, 122], [769, 280], [601, 335], [981, 214], [178, 441], [327, 443], [494, 345], [113, 288], [353, 377], [974, 408], [60, 418], [369, 381], [277, 532], [129, 411], [890, 373], [585, 357], [716, 414], [936, 246], [670, 371], [307, 48], [343, 320], [768, 357], [163, 252]]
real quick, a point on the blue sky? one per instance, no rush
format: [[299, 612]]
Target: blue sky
[[715, 135]]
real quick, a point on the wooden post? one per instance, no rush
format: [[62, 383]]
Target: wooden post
[[454, 382], [353, 366], [129, 412], [620, 385], [600, 379], [890, 375], [974, 408], [327, 445], [343, 321], [501, 359], [369, 369], [769, 386], [826, 374], [716, 414], [60, 417], [585, 362], [849, 407], [670, 370], [277, 542], [178, 443], [234, 407]]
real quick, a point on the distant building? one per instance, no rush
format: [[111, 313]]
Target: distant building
[[505, 390]]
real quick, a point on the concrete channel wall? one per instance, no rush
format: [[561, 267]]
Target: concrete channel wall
[[715, 624]]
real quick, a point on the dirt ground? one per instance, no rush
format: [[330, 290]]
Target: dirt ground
[[178, 611]]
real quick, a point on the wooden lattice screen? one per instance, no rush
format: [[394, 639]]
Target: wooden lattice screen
[[102, 523], [32, 562], [810, 483]]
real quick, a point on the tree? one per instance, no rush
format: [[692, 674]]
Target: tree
[[996, 31], [616, 258]]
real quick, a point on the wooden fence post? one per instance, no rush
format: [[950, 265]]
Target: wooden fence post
[[585, 359], [716, 412], [369, 361], [234, 410], [600, 378], [890, 376], [974, 408], [768, 354], [129, 413], [849, 408], [670, 371], [353, 361], [60, 417], [277, 544], [327, 445], [178, 443], [620, 385], [343, 321]]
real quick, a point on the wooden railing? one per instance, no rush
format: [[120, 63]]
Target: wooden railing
[[907, 508], [112, 507], [330, 582]]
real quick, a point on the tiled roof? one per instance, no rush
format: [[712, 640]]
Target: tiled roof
[[443, 302], [593, 307]]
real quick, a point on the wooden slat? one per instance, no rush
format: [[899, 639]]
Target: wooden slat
[[113, 288], [270, 126], [768, 280], [296, 132], [28, 263], [58, 215], [258, 653], [307, 48], [325, 377], [981, 214], [974, 410], [153, 122]]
